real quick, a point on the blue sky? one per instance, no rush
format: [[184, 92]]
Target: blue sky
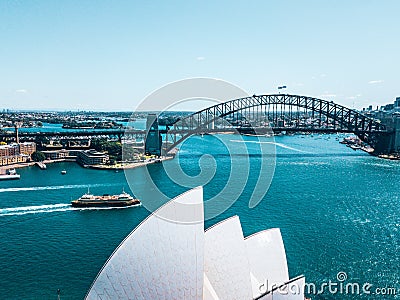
[[111, 54]]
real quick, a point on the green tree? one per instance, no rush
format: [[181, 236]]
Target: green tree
[[38, 156], [130, 153], [41, 140], [114, 149]]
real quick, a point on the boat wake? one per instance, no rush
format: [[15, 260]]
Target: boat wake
[[54, 187], [272, 143], [17, 211], [51, 208]]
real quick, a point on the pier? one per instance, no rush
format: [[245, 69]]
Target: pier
[[41, 165]]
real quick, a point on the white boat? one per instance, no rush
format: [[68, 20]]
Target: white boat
[[9, 175], [89, 200], [63, 172], [355, 147]]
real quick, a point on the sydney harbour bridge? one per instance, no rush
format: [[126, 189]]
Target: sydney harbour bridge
[[257, 114]]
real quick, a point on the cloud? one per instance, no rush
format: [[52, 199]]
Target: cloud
[[21, 91], [327, 96], [354, 97], [375, 81], [200, 58]]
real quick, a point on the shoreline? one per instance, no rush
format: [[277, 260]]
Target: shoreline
[[18, 165], [132, 165], [118, 166], [33, 163]]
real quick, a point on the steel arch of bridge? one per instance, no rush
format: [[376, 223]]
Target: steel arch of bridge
[[343, 119]]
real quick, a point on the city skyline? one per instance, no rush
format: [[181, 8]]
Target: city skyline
[[77, 56]]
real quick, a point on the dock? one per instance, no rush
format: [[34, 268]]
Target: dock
[[41, 165]]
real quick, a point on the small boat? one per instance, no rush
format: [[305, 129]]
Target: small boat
[[63, 172], [89, 200], [355, 147], [9, 175]]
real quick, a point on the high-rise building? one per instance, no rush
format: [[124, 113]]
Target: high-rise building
[[397, 102]]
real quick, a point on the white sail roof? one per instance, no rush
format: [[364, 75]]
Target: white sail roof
[[160, 259], [226, 265], [267, 259], [169, 256]]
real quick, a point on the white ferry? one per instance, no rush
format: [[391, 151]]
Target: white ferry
[[89, 200]]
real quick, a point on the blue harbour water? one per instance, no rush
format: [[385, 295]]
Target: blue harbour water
[[338, 211]]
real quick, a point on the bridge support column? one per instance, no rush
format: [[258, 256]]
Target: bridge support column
[[153, 139], [389, 142], [396, 135], [384, 143]]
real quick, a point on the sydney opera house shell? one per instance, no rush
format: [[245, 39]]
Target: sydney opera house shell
[[170, 256]]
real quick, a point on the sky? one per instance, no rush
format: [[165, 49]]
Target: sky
[[109, 55]]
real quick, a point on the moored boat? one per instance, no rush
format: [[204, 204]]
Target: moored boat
[[355, 147], [9, 175], [89, 200]]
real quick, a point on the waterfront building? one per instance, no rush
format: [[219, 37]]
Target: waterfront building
[[92, 157], [170, 256], [73, 153], [9, 150], [16, 153], [56, 154], [14, 159], [27, 148]]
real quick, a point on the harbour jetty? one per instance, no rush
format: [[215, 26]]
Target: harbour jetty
[[41, 165], [356, 143]]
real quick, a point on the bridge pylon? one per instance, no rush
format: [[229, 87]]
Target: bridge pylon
[[153, 139]]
